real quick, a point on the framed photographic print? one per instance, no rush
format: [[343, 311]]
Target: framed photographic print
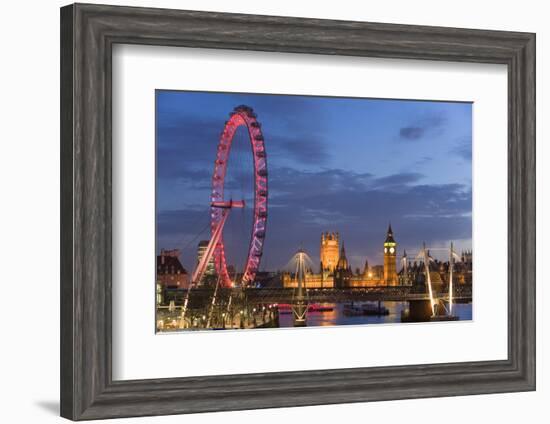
[[321, 196], [264, 212]]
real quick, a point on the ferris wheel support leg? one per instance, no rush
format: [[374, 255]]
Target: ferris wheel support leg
[[197, 275], [213, 303]]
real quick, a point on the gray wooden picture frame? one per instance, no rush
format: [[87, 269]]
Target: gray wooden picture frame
[[88, 33]]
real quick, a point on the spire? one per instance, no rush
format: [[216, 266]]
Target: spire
[[366, 269], [389, 235], [343, 261]]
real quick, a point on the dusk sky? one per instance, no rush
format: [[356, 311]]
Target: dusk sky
[[335, 164]]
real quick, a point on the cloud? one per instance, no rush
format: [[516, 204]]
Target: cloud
[[181, 220], [286, 180], [302, 204], [186, 147], [361, 211], [423, 126], [291, 113], [464, 149], [397, 180], [423, 161], [307, 194], [302, 149], [411, 133], [177, 152]]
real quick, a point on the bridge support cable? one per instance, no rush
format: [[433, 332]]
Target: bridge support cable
[[300, 306], [426, 259], [451, 260], [452, 256]]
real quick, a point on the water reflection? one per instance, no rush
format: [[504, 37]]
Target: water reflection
[[337, 316]]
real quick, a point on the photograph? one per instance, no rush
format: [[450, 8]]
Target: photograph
[[275, 212], [281, 211]]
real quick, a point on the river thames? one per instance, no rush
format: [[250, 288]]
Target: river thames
[[337, 316]]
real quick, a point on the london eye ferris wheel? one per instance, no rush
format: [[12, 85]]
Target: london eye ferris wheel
[[241, 116]]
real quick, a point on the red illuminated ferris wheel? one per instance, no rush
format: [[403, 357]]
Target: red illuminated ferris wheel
[[241, 116]]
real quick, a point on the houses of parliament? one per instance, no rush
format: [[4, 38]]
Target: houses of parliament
[[336, 272]]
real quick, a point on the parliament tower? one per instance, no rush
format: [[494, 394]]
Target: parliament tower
[[342, 272], [390, 259], [329, 252]]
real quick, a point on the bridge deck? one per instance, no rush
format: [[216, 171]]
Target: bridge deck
[[286, 295]]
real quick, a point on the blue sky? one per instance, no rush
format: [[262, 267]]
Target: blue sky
[[335, 164]]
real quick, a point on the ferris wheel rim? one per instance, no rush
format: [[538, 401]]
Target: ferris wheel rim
[[241, 116]]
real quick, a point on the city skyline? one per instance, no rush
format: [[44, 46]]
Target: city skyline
[[438, 253], [344, 165]]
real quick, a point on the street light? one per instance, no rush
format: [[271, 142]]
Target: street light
[[241, 325]]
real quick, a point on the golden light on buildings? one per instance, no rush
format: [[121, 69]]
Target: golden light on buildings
[[329, 251], [337, 273]]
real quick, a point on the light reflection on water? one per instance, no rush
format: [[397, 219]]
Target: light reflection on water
[[337, 317]]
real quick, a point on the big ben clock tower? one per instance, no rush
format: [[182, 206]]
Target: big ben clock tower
[[390, 259]]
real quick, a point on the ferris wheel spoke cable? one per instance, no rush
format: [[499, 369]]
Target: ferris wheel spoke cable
[[197, 236], [242, 116]]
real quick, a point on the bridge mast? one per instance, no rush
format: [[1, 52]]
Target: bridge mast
[[428, 278], [405, 261], [299, 308], [451, 260]]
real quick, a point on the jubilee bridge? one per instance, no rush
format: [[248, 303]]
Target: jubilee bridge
[[274, 295]]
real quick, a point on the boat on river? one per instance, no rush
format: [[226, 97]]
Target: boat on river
[[369, 309], [285, 308]]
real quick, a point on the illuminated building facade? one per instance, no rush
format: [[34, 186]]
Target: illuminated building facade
[[390, 258], [329, 251], [336, 271], [342, 272], [210, 269], [311, 281], [439, 272], [410, 273], [170, 271]]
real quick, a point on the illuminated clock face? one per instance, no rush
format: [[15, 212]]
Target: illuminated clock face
[[385, 250], [392, 250]]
